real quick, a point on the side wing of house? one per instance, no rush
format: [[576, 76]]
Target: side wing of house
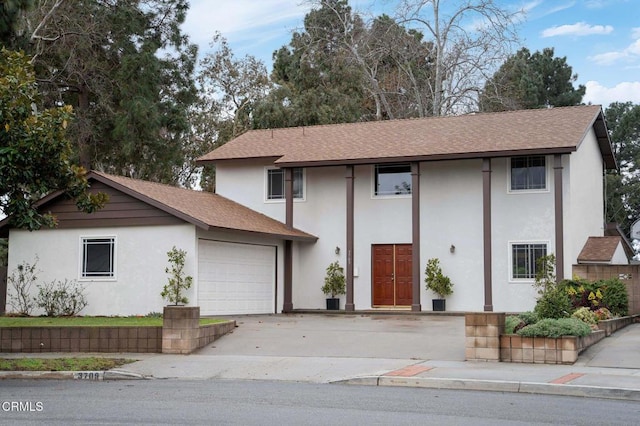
[[118, 254]]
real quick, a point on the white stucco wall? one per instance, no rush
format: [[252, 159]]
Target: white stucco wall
[[517, 217], [451, 214], [584, 206], [141, 259]]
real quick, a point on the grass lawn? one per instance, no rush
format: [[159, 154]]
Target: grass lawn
[[88, 321], [62, 364]]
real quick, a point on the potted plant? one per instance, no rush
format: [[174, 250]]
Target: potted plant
[[334, 285], [437, 282]]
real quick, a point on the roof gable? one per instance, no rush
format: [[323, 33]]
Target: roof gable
[[600, 249], [540, 131]]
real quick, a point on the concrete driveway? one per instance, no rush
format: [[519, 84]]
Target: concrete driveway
[[386, 336]]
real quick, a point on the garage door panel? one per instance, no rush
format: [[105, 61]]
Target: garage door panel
[[236, 278]]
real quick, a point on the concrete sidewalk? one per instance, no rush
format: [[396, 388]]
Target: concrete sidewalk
[[390, 350], [379, 350]]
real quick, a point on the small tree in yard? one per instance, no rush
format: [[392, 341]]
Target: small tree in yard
[[172, 291]]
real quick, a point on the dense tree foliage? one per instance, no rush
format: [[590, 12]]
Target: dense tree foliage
[[623, 187], [10, 13], [35, 154], [316, 83], [127, 70], [527, 80], [343, 69]]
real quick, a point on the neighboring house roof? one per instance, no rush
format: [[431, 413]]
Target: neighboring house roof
[[537, 131], [613, 230], [205, 210], [599, 249]]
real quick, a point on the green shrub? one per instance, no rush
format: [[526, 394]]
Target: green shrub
[[510, 323], [585, 315], [529, 317], [556, 328], [61, 298], [553, 303], [614, 296]]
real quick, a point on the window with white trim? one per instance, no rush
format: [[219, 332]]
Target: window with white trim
[[98, 257], [524, 259], [392, 179], [528, 173], [275, 184]]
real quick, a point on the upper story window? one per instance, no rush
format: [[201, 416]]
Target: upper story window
[[524, 259], [98, 257], [392, 179], [528, 173], [275, 184]]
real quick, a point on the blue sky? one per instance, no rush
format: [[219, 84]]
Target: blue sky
[[600, 38]]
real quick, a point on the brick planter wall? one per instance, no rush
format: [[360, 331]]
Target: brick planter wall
[[613, 325], [81, 339], [180, 329], [482, 336], [545, 350], [209, 333], [114, 339]]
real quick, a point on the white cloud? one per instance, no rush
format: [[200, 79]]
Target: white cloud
[[577, 29], [241, 19], [631, 53], [608, 58], [621, 92]]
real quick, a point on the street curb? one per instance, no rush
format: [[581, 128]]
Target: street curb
[[71, 375], [497, 386]]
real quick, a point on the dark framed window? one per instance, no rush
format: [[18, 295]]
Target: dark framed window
[[98, 257], [524, 259], [275, 184], [528, 173], [392, 179]]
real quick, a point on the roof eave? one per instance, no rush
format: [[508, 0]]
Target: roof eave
[[424, 158], [303, 237], [599, 126]]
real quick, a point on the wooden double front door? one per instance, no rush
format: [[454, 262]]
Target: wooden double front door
[[392, 274]]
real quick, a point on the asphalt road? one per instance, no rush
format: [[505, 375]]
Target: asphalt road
[[221, 402]]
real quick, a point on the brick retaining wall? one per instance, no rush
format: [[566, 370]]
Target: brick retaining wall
[[102, 339], [485, 341], [81, 339]]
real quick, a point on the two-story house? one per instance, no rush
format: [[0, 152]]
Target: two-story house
[[486, 194]]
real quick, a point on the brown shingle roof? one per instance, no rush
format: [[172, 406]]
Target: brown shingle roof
[[599, 249], [204, 209], [554, 130]]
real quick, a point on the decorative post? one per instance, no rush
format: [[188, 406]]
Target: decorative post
[[486, 228], [415, 239], [350, 306]]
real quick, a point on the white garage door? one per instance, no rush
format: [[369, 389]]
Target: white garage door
[[236, 278]]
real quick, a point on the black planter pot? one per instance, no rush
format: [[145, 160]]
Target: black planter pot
[[439, 305], [333, 304]]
